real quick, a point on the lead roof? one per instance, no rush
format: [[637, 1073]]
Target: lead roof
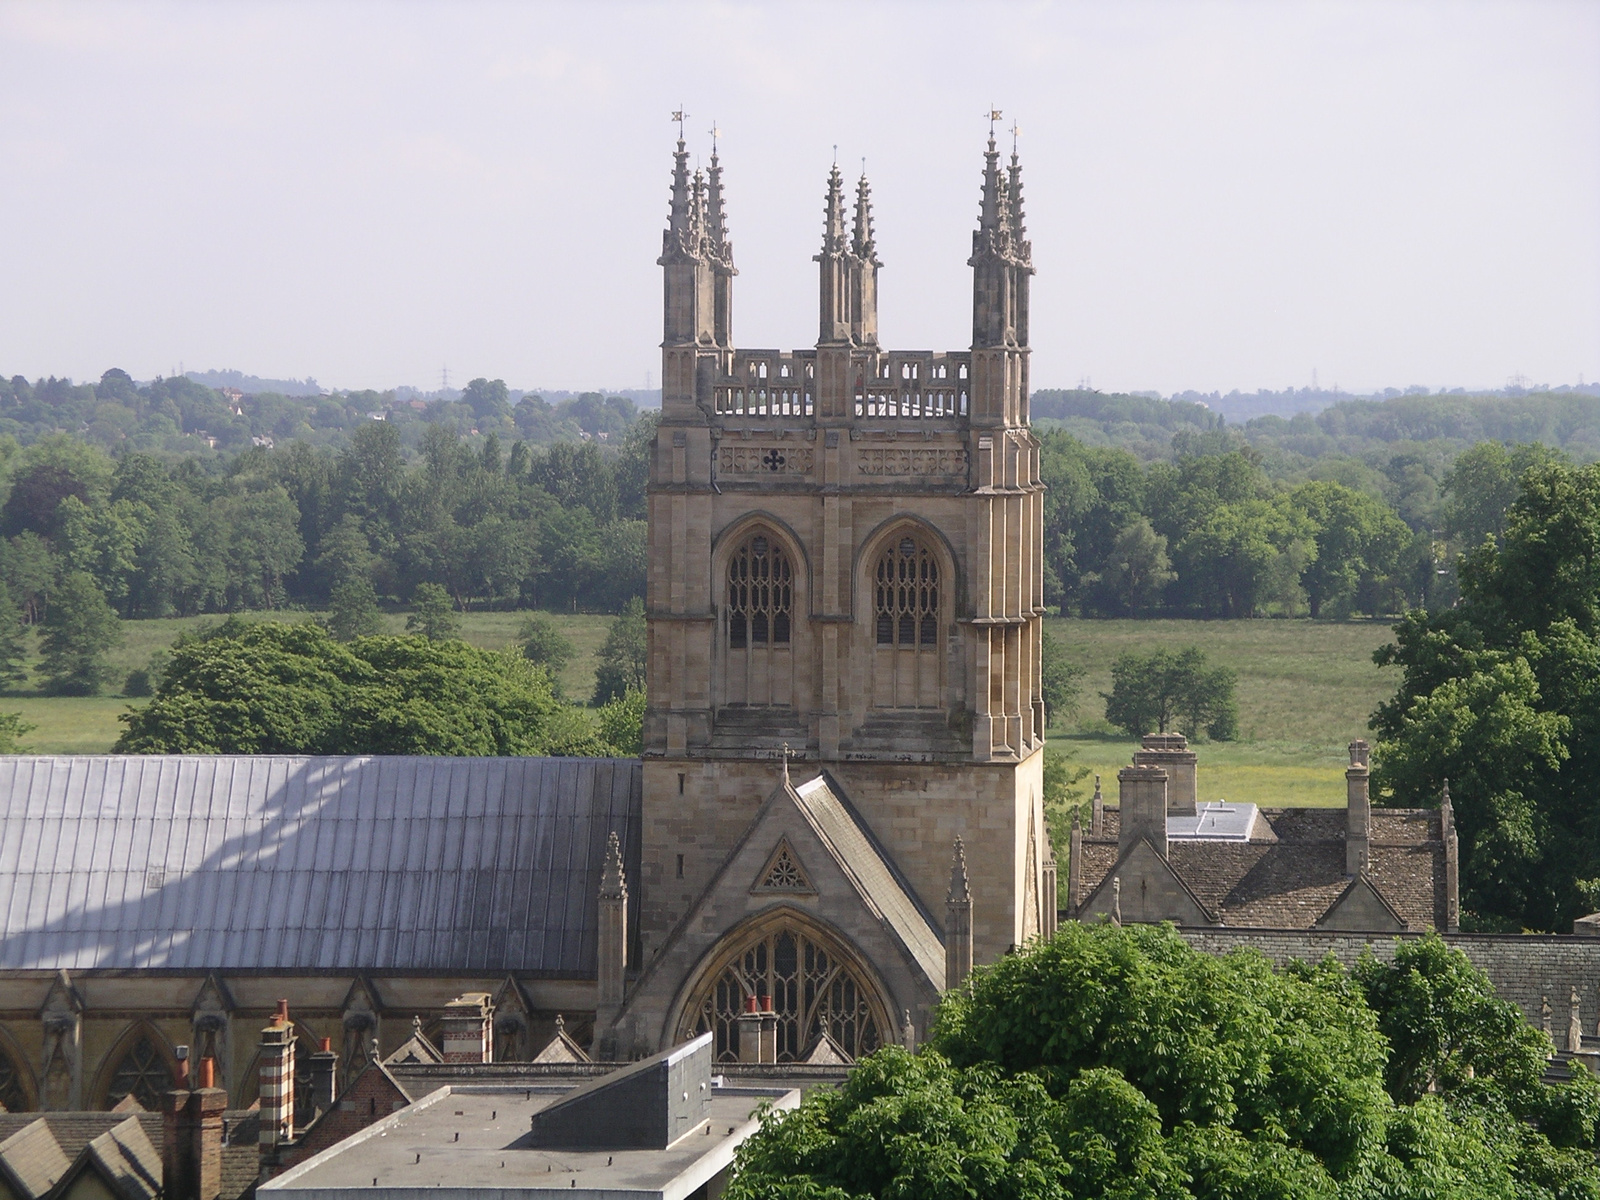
[[256, 861]]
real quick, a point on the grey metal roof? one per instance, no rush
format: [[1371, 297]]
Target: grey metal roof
[[361, 863]]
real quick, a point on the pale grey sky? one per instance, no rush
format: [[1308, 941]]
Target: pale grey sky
[[1219, 195]]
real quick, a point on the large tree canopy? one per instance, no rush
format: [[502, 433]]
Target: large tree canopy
[[276, 688], [1121, 1063], [1501, 696]]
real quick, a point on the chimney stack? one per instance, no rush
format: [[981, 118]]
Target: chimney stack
[[191, 1158], [469, 1029], [277, 1084], [748, 1024], [1170, 752], [1358, 811], [324, 1074], [1142, 792]]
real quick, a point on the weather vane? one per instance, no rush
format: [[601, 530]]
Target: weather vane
[[679, 116], [1016, 131], [715, 134], [994, 115]]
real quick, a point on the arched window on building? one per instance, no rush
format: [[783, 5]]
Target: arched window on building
[[143, 1074], [759, 624], [907, 620], [814, 985]]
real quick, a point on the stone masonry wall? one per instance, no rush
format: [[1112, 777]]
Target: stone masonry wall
[[1523, 968]]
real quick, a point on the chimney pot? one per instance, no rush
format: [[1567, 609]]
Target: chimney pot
[[327, 1045], [283, 1011], [208, 1076]]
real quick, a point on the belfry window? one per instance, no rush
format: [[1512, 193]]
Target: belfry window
[[907, 595], [760, 595]]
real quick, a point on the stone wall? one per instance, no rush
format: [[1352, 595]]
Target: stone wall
[[1524, 968]]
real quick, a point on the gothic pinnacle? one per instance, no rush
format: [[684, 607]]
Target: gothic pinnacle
[[960, 889], [716, 212], [862, 243], [833, 238]]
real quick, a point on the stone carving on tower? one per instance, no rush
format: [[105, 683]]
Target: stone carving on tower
[[845, 557]]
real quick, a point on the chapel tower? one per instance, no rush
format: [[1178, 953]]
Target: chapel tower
[[845, 566]]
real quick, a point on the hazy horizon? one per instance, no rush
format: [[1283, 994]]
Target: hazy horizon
[[1220, 196]]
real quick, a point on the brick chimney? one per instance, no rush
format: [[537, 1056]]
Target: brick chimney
[[191, 1158], [1170, 752], [1358, 809], [748, 1023], [277, 1083], [324, 1076], [468, 1034], [1142, 792]]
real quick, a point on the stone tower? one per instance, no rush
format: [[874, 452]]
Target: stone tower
[[845, 561]]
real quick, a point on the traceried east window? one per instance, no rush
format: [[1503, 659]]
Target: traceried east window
[[760, 595], [907, 596]]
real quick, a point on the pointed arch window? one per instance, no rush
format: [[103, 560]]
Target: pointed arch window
[[143, 1074], [814, 988], [13, 1092], [907, 595], [760, 595]]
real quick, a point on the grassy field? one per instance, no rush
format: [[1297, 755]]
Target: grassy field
[[1306, 689]]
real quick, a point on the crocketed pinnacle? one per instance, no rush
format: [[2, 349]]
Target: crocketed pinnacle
[[679, 236], [716, 214], [862, 243], [613, 883], [833, 237], [960, 888], [1021, 249], [697, 211]]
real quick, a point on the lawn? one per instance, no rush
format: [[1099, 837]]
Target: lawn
[[1306, 689]]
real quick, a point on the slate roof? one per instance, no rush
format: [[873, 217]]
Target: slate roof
[[349, 863], [1291, 870]]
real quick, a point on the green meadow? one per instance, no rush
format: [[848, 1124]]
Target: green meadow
[[1306, 689]]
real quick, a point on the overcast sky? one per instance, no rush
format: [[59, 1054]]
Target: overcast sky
[[1227, 195]]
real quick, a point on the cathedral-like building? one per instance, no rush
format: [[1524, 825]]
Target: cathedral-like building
[[839, 805]]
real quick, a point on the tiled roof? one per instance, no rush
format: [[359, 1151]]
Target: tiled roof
[[1292, 870], [477, 864], [33, 1160]]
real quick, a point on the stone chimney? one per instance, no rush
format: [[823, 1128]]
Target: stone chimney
[[277, 1083], [958, 922], [1142, 793], [1452, 862], [191, 1158], [1170, 752], [612, 960], [468, 1035], [324, 1076], [1358, 810], [751, 1026]]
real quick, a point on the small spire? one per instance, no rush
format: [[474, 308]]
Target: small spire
[[960, 887], [697, 209], [416, 1026], [613, 883], [561, 1024], [862, 243], [1075, 825], [833, 239], [679, 236], [786, 764], [1116, 901], [716, 212], [1447, 810]]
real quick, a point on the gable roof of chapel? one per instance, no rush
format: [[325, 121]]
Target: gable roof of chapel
[[371, 863]]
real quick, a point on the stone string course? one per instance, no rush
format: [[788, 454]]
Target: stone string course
[[1523, 968]]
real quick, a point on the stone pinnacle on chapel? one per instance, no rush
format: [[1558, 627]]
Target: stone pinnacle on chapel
[[862, 243], [833, 235]]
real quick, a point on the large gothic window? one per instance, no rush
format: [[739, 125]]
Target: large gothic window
[[759, 620], [814, 989], [143, 1074], [906, 619]]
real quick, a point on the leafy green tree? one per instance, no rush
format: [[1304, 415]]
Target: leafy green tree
[[28, 569], [1246, 557], [354, 611], [13, 641], [1061, 676], [1358, 542], [80, 629], [1168, 690], [1481, 486], [273, 688], [1063, 793], [622, 655], [1138, 569], [1120, 1062], [543, 643], [622, 723], [433, 614]]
